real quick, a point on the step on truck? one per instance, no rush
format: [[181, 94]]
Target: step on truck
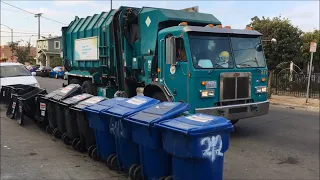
[[170, 55]]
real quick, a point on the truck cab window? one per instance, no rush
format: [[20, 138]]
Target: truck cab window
[[180, 50]]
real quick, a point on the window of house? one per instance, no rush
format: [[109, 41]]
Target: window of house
[[57, 44], [180, 50]]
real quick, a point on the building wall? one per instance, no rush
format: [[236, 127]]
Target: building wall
[[5, 52], [54, 45]]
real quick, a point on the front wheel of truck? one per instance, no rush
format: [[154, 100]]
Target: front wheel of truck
[[234, 121], [160, 96], [88, 87]]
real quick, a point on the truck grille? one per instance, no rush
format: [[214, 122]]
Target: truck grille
[[235, 86]]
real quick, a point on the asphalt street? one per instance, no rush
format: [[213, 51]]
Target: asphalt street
[[281, 145]]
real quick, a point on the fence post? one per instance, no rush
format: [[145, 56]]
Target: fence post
[[270, 84]]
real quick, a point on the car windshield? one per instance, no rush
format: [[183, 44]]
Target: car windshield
[[222, 51], [211, 52], [13, 71], [246, 53]]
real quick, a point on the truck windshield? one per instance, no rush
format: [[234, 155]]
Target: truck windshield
[[222, 51], [246, 53], [211, 52]]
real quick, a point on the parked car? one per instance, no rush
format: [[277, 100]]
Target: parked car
[[43, 71], [32, 68], [16, 73], [57, 72]]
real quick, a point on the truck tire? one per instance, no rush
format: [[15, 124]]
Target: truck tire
[[160, 96], [75, 81], [88, 87]]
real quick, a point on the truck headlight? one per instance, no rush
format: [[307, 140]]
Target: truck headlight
[[261, 89], [207, 93], [36, 85]]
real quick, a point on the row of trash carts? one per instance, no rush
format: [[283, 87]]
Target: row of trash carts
[[139, 136]]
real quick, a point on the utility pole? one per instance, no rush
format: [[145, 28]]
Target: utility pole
[[313, 49], [111, 5], [38, 16]]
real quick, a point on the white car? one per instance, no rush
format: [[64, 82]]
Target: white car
[[16, 73]]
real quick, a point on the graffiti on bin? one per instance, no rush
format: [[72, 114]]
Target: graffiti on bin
[[116, 128], [213, 147]]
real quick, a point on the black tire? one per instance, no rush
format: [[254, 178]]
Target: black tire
[[114, 162], [66, 139], [90, 149], [94, 154], [49, 129], [132, 170], [57, 134], [169, 178], [75, 81], [74, 143], [88, 87], [160, 96], [234, 121], [80, 147], [109, 161], [137, 174]]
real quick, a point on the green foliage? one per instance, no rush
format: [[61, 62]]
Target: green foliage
[[56, 61], [287, 36], [307, 37], [22, 52]]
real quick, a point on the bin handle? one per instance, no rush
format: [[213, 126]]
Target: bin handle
[[173, 129], [137, 122]]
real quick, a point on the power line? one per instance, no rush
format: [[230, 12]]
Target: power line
[[33, 13], [13, 11], [23, 32], [18, 8]]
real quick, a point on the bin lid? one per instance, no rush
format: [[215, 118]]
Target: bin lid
[[76, 99], [197, 124], [88, 102], [104, 105], [66, 91], [53, 93], [158, 112], [131, 106]]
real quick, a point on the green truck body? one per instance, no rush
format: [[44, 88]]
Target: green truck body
[[171, 55]]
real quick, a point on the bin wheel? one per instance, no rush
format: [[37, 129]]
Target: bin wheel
[[114, 162], [90, 150], [94, 154], [109, 160], [132, 170], [137, 175], [162, 178], [49, 129], [80, 147], [19, 121], [66, 139], [57, 133], [169, 178], [74, 143]]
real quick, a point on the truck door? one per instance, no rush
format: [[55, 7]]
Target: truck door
[[175, 73]]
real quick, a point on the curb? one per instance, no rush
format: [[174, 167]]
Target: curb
[[311, 108]]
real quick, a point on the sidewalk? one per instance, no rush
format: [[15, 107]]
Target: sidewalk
[[295, 102]]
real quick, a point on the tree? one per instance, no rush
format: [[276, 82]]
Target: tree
[[56, 61], [287, 36], [22, 52], [306, 38]]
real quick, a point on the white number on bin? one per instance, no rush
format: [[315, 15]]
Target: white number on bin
[[136, 101], [213, 147], [199, 118], [43, 113], [13, 105]]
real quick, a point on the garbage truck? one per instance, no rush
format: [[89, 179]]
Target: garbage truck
[[170, 55]]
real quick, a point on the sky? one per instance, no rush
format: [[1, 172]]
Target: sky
[[237, 14]]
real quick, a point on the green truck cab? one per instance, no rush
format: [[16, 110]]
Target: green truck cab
[[171, 55]]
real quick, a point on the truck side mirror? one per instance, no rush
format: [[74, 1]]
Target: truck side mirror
[[171, 51]]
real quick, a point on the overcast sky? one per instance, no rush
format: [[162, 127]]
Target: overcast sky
[[237, 14]]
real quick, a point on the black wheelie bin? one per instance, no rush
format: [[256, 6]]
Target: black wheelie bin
[[13, 94], [27, 103], [41, 107], [63, 110], [66, 92], [6, 92], [86, 140]]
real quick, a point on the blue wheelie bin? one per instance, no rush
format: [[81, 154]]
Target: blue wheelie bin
[[155, 162], [127, 150], [197, 144], [105, 149]]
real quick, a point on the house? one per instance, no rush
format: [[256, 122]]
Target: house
[[47, 49]]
